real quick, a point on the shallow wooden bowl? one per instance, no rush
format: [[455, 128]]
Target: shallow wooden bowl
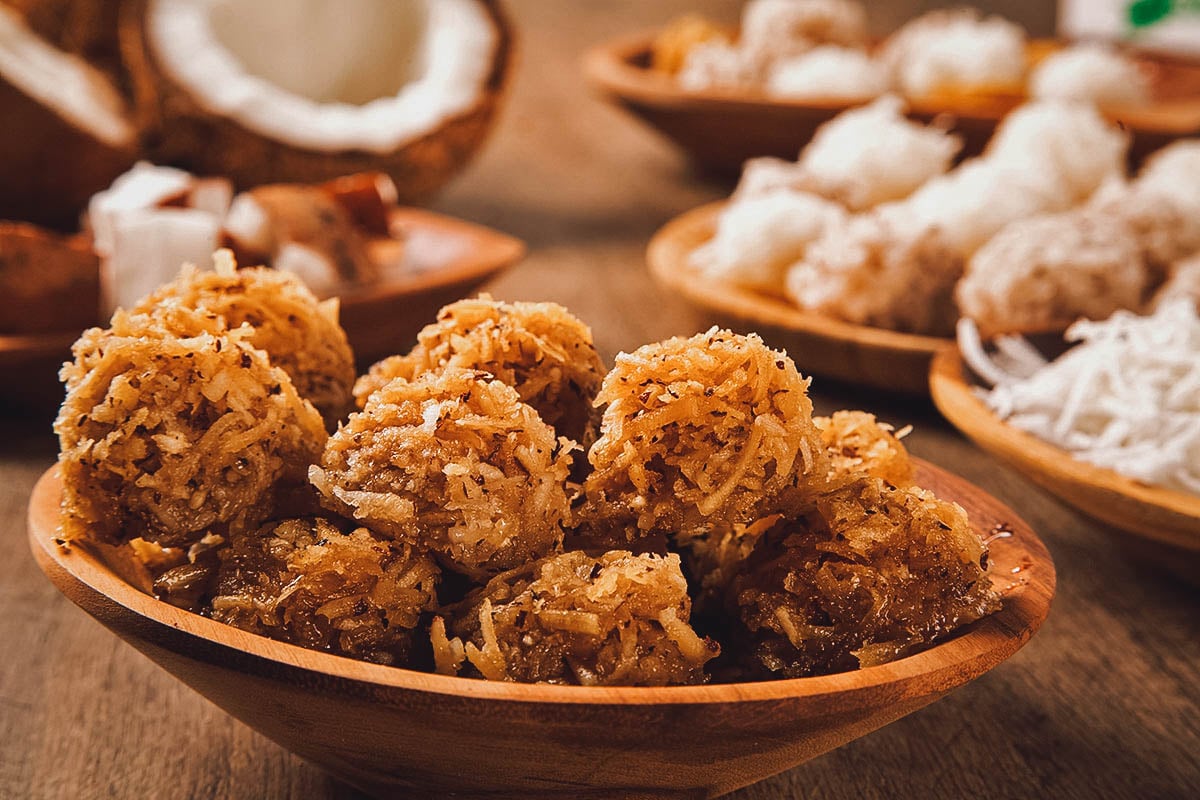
[[820, 345], [720, 129], [395, 732], [1161, 515], [442, 259]]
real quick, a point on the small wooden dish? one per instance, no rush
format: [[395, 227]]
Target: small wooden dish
[[720, 129], [441, 259], [393, 731], [1161, 515], [820, 345]]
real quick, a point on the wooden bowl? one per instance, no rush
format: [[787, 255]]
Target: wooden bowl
[[820, 345], [395, 732], [441, 260], [1161, 515], [720, 129]]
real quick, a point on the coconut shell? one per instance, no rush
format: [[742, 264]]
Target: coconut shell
[[178, 129], [50, 167], [86, 28], [48, 283]]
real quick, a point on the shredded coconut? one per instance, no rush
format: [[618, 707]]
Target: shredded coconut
[[829, 73], [1126, 397], [1092, 73]]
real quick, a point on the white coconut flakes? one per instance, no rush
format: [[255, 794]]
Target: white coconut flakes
[[1125, 397]]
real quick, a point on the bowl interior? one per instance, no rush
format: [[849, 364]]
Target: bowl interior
[[387, 729], [1163, 515], [819, 344]]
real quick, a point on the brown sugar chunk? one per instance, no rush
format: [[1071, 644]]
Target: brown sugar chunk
[[871, 573], [616, 619], [299, 333], [170, 439], [306, 582], [454, 463], [539, 349], [859, 444], [701, 433]]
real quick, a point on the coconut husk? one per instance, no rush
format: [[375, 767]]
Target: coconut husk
[[179, 130], [48, 282]]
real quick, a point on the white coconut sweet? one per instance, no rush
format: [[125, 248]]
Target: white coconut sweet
[[1090, 72], [828, 72], [956, 50], [305, 90], [65, 134]]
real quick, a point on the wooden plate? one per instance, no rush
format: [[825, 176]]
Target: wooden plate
[[1162, 515], [720, 129], [819, 345], [441, 260], [396, 732]]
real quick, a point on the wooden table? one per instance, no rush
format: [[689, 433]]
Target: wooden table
[[1104, 702]]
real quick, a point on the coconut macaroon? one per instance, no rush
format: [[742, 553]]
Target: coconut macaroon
[[870, 155], [858, 444], [307, 582], [454, 463], [827, 72], [774, 29], [956, 51], [1069, 144], [618, 619], [882, 269], [1043, 273], [1090, 72], [757, 238], [1183, 281], [715, 430], [871, 573], [169, 438], [540, 349], [971, 203], [300, 334]]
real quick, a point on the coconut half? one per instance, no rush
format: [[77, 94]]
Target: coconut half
[[268, 91], [65, 132]]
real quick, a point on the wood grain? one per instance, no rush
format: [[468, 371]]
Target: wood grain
[[829, 347], [1103, 703]]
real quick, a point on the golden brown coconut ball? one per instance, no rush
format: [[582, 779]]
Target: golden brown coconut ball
[[169, 439], [299, 333], [871, 573], [307, 582], [701, 433], [454, 463], [858, 444], [540, 349], [616, 619]]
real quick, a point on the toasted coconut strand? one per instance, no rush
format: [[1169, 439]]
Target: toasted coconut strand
[[65, 135], [206, 133], [47, 283]]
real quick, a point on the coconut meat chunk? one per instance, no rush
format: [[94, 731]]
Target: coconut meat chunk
[[323, 75], [67, 85]]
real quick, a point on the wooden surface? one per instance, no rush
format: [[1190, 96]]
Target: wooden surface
[[678, 741], [1104, 702]]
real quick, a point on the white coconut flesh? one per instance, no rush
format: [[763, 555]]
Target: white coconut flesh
[[327, 75], [62, 83]]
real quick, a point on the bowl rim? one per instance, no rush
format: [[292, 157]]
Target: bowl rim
[[959, 658], [609, 67], [666, 256], [953, 395]]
